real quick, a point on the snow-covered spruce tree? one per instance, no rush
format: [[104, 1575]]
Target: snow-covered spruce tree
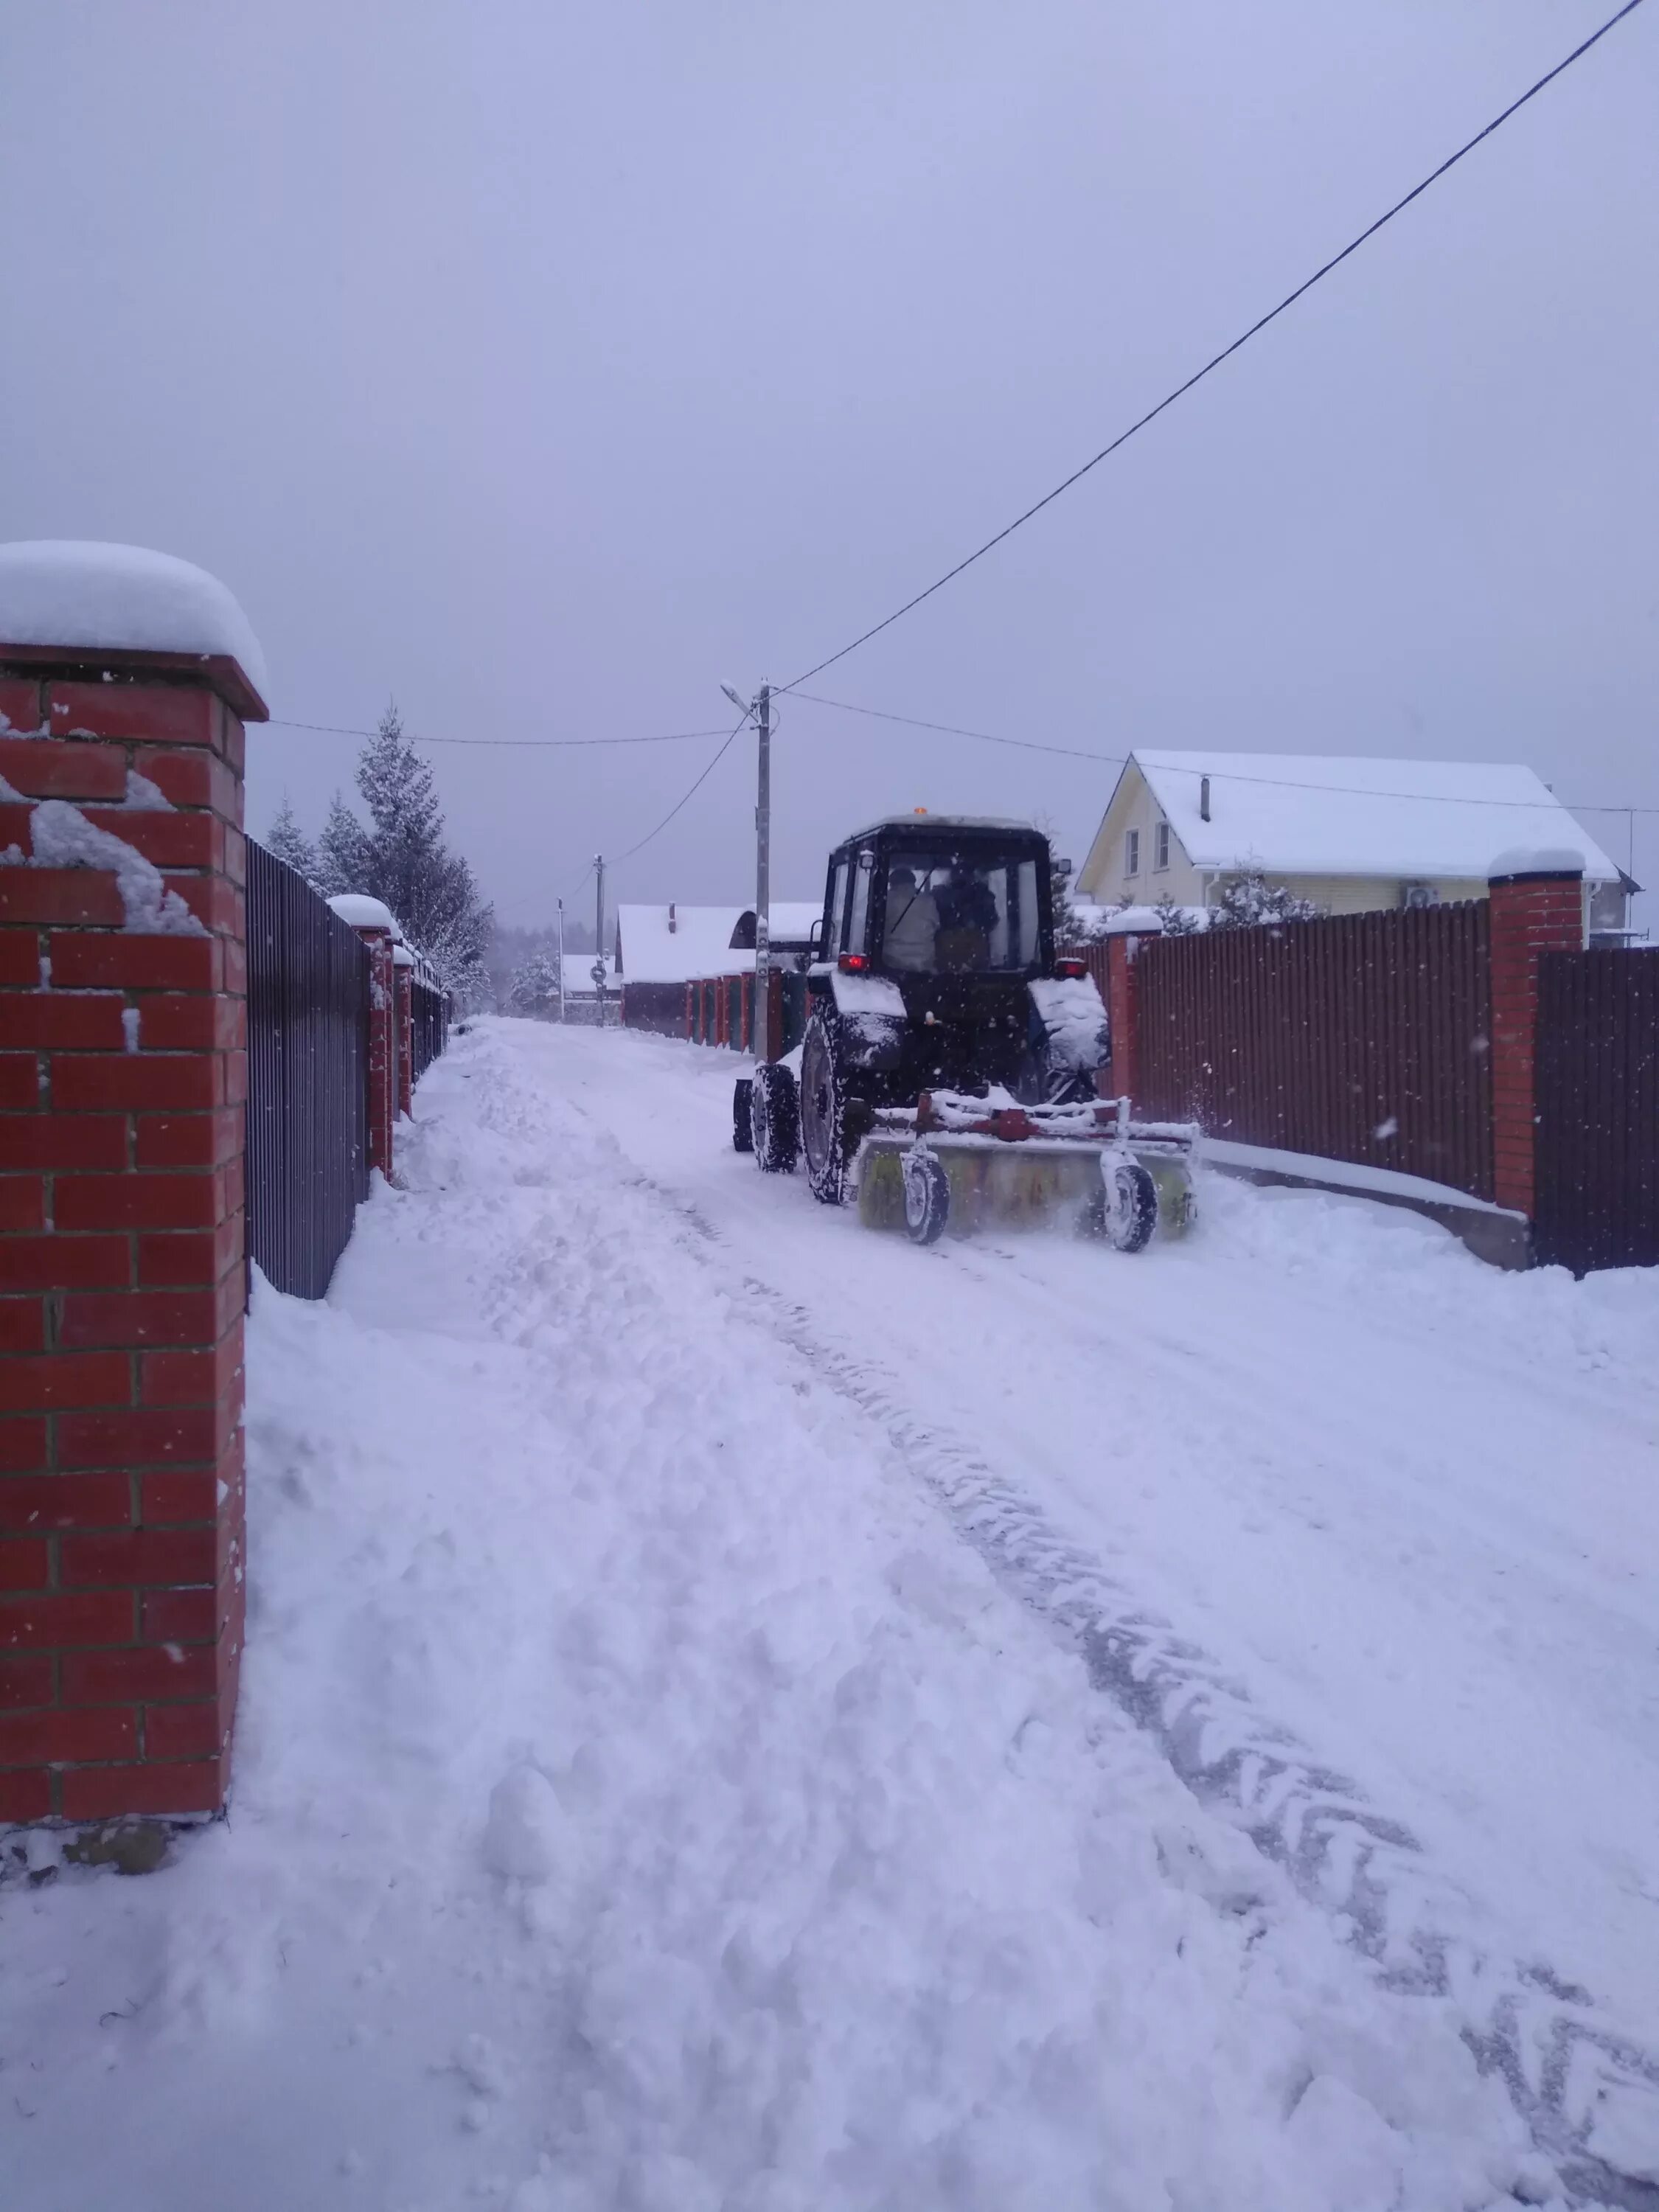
[[341, 861], [405, 862], [288, 843], [1174, 921], [1249, 901], [535, 988]]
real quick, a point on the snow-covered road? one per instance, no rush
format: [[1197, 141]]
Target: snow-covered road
[[668, 1778]]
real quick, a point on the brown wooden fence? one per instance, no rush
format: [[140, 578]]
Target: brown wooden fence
[[1598, 1110], [1363, 1037]]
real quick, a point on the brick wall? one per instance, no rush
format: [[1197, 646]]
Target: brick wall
[[1530, 913], [123, 1079]]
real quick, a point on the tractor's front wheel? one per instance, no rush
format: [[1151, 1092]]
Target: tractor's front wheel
[[823, 1111], [774, 1118], [742, 1141]]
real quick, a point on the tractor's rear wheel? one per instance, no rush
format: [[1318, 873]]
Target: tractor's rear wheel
[[774, 1118], [741, 1116], [823, 1111]]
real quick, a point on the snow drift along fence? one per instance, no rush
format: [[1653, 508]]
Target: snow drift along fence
[[1365, 1037], [1598, 1110], [308, 1107]]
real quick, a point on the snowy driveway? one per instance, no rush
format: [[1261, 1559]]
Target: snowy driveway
[[667, 1777]]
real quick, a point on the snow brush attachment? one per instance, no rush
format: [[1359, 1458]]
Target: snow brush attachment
[[956, 1164]]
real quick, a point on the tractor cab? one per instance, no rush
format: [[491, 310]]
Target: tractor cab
[[940, 903]]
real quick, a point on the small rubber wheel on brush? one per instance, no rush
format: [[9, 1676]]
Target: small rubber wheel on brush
[[1130, 1211], [927, 1197]]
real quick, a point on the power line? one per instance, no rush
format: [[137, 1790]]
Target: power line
[[681, 802], [1226, 352], [660, 738], [1216, 774], [952, 730]]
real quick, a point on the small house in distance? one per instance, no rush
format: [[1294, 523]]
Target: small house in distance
[[1353, 836], [661, 949]]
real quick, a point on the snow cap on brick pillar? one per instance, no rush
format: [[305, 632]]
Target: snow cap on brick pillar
[[1537, 906], [374, 923], [1123, 1013], [125, 679], [403, 965]]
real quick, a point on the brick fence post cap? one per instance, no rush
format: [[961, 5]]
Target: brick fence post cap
[[1523, 863], [70, 602]]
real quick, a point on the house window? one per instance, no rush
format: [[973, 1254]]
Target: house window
[[1161, 846], [1131, 851]]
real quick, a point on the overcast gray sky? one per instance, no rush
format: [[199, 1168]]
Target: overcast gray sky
[[546, 365]]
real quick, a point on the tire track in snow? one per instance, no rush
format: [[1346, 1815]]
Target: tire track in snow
[[1557, 2058]]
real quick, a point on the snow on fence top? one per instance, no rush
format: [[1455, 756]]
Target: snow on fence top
[[63, 591], [365, 913], [1302, 815], [699, 941]]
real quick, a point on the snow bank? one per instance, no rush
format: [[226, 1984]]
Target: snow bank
[[57, 590]]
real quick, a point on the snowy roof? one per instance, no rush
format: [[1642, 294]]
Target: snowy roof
[[789, 920], [1306, 815], [67, 592], [700, 942], [365, 913]]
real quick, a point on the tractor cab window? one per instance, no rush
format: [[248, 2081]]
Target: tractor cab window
[[832, 937], [959, 912]]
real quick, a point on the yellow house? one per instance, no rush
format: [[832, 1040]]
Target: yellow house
[[1353, 836]]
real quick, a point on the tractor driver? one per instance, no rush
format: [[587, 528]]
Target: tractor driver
[[912, 922]]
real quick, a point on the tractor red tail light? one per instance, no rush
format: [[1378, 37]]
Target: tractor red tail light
[[1073, 970], [853, 963]]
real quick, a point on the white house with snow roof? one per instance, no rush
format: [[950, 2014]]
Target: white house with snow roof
[[1353, 836]]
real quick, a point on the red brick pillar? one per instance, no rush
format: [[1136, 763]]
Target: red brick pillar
[[403, 964], [123, 1079], [1123, 1014], [690, 1015], [1537, 906], [775, 1013], [745, 1012]]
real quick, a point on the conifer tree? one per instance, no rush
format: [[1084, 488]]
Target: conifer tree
[[289, 842], [341, 858]]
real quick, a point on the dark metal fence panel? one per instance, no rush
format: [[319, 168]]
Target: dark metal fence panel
[[308, 1107], [1364, 1038], [429, 1007], [1597, 1078]]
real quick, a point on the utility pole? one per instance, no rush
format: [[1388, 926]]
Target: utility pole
[[761, 707], [764, 877], [560, 959], [598, 933]]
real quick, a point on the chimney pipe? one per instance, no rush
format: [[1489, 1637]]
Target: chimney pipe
[[672, 924], [1204, 798]]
